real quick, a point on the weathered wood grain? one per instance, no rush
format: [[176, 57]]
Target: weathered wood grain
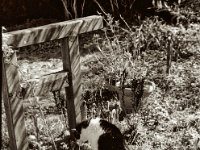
[[54, 31], [14, 114], [12, 74], [45, 84], [71, 64], [76, 74]]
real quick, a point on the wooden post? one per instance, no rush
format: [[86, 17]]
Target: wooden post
[[71, 64], [13, 108], [8, 111], [1, 61], [1, 55], [169, 55]]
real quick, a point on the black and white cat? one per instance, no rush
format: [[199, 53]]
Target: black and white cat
[[101, 134]]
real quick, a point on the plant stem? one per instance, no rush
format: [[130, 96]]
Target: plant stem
[[46, 124], [169, 57]]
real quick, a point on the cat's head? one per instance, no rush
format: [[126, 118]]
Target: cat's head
[[80, 130]]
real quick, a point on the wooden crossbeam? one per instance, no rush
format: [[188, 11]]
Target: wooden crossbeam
[[54, 31], [45, 84]]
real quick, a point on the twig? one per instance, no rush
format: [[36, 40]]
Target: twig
[[45, 122], [111, 3], [82, 8], [36, 126], [123, 79], [125, 22], [66, 11], [100, 7], [75, 9], [134, 138]]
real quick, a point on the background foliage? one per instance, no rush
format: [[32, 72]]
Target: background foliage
[[168, 119]]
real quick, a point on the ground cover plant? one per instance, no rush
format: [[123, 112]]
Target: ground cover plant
[[167, 55], [164, 121]]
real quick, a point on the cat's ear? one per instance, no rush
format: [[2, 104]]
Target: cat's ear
[[86, 123], [83, 124]]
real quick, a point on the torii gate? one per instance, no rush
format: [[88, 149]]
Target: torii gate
[[69, 78]]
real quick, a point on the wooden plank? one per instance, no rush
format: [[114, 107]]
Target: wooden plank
[[76, 74], [15, 117], [54, 31], [19, 121], [71, 63], [12, 74], [8, 111], [43, 85]]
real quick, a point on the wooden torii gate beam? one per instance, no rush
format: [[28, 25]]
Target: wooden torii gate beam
[[21, 38], [67, 32]]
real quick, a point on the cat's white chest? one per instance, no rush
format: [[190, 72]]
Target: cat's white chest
[[92, 133], [93, 139]]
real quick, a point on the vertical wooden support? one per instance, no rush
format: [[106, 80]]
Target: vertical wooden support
[[13, 106], [8, 111], [71, 64], [169, 56]]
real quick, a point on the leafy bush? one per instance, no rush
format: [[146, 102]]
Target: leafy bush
[[169, 117]]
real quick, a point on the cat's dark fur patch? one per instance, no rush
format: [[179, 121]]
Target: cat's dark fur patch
[[112, 139], [83, 124], [101, 134]]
